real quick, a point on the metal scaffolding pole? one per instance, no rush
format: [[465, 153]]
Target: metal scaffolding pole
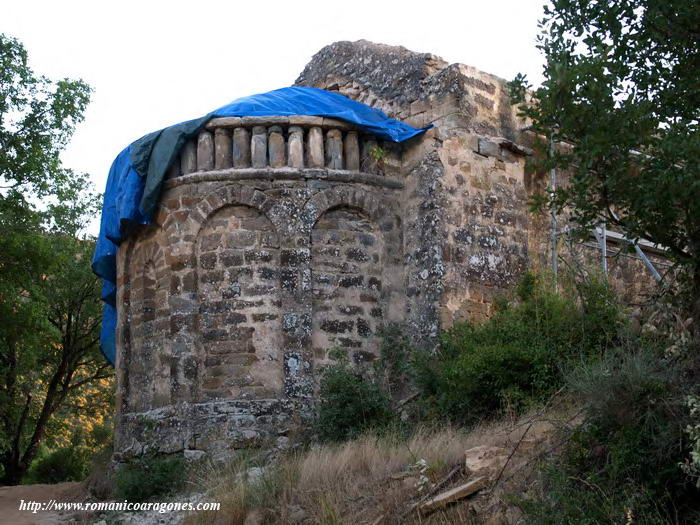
[[553, 212], [604, 249]]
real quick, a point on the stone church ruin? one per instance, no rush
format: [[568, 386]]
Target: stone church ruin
[[280, 240]]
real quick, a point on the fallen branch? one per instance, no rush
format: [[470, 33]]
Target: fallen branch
[[432, 491], [454, 494]]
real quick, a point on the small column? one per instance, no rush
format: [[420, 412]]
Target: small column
[[275, 144], [352, 151], [222, 149], [314, 149], [205, 151], [295, 147], [241, 148], [258, 147], [368, 161], [174, 169], [188, 158], [334, 150]]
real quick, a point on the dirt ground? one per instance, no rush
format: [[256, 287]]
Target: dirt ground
[[10, 498]]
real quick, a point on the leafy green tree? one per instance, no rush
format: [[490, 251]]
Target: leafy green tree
[[621, 88], [49, 299]]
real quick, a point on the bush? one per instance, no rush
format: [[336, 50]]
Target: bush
[[150, 476], [518, 357], [350, 404], [62, 464], [393, 366], [622, 464]]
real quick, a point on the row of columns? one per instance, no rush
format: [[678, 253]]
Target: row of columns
[[262, 147]]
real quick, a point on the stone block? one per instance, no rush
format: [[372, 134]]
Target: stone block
[[205, 151], [258, 147], [223, 149]]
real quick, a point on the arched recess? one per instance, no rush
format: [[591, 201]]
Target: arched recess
[[347, 261], [237, 290], [145, 351]]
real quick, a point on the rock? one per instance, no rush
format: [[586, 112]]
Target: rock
[[282, 443], [255, 474], [194, 455], [485, 460], [296, 514], [254, 517], [496, 519]]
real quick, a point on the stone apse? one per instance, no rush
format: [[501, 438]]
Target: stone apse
[[281, 242]]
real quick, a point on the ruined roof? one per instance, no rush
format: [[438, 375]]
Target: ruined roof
[[403, 83]]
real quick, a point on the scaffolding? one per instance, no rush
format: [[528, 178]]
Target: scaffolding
[[601, 233]]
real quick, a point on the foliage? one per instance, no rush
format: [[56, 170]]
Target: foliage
[[622, 462], [49, 299], [72, 459], [378, 154], [519, 356], [150, 476], [620, 86], [37, 119], [349, 404], [691, 466], [393, 366], [63, 464]]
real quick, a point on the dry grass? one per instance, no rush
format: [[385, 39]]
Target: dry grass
[[356, 482]]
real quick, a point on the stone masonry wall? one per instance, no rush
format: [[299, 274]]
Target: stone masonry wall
[[283, 243], [237, 294], [467, 186]]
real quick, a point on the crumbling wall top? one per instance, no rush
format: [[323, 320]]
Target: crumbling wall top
[[419, 88]]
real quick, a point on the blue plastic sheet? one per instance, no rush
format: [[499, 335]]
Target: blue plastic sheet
[[136, 176]]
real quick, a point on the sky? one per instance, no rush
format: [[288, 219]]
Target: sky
[[155, 63]]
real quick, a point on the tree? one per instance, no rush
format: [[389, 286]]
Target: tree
[[621, 91], [49, 299]]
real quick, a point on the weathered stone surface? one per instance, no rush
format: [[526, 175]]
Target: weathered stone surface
[[394, 73], [241, 148], [352, 151], [188, 158], [295, 147], [205, 151], [276, 147], [334, 150], [258, 147], [222, 149], [314, 148]]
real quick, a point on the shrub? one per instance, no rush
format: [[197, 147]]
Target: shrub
[[393, 366], [622, 464], [150, 476], [519, 356], [350, 404], [62, 464]]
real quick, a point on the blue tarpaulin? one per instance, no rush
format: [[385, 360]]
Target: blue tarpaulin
[[136, 176]]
